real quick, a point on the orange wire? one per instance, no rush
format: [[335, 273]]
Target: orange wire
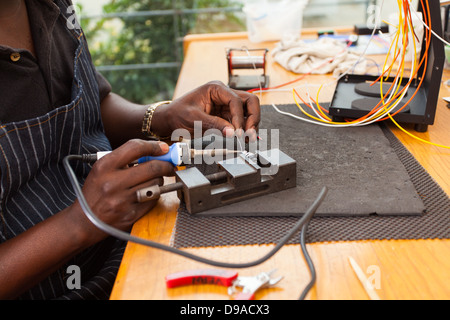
[[423, 60], [375, 109], [378, 107], [387, 70], [308, 105]]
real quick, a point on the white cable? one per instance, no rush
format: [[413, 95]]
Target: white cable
[[290, 89], [310, 103], [361, 56], [373, 118], [365, 49], [254, 67], [423, 22]]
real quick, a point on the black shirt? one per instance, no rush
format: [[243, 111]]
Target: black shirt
[[32, 86]]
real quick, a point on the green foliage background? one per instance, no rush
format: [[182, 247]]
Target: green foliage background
[[151, 40]]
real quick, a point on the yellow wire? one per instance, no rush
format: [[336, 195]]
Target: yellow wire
[[319, 119], [355, 121], [395, 122], [415, 137], [319, 106], [381, 85], [401, 65], [396, 39], [306, 113]]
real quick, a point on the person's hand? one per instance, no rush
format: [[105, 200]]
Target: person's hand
[[110, 188], [216, 106]]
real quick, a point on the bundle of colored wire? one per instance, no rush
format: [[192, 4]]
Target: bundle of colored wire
[[392, 98]]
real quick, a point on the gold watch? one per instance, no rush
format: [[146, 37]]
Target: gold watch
[[147, 123]]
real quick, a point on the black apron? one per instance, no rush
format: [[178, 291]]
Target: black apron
[[34, 185]]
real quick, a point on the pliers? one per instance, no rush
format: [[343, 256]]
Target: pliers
[[225, 278]]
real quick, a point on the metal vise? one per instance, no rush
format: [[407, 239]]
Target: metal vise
[[249, 175]]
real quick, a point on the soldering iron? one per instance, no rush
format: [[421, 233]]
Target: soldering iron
[[179, 153], [176, 153]]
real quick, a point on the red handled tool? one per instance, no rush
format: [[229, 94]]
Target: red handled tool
[[201, 276], [225, 278]]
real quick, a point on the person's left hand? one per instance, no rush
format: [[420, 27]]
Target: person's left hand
[[216, 106]]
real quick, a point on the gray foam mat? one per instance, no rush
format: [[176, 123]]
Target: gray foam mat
[[434, 223], [358, 165]]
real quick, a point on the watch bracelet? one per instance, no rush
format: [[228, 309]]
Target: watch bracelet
[[147, 122]]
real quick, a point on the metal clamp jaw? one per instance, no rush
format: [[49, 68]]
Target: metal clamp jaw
[[244, 177]]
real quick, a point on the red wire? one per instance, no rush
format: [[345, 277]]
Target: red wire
[[301, 77], [377, 107]]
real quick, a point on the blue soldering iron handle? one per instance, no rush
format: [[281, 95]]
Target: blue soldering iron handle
[[173, 156]]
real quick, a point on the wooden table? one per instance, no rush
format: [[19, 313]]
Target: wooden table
[[407, 269]]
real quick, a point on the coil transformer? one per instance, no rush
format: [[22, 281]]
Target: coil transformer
[[250, 66]]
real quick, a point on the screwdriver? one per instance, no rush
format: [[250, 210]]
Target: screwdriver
[[174, 156], [179, 153]]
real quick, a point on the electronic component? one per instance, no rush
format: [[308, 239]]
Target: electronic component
[[179, 153], [363, 29], [241, 59], [325, 32]]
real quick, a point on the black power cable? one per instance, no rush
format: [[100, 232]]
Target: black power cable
[[127, 237], [309, 261]]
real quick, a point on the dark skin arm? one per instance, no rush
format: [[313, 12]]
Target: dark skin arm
[[122, 119], [111, 186], [217, 106], [110, 190]]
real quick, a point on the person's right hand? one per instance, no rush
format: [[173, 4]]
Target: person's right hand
[[216, 106], [110, 188]]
